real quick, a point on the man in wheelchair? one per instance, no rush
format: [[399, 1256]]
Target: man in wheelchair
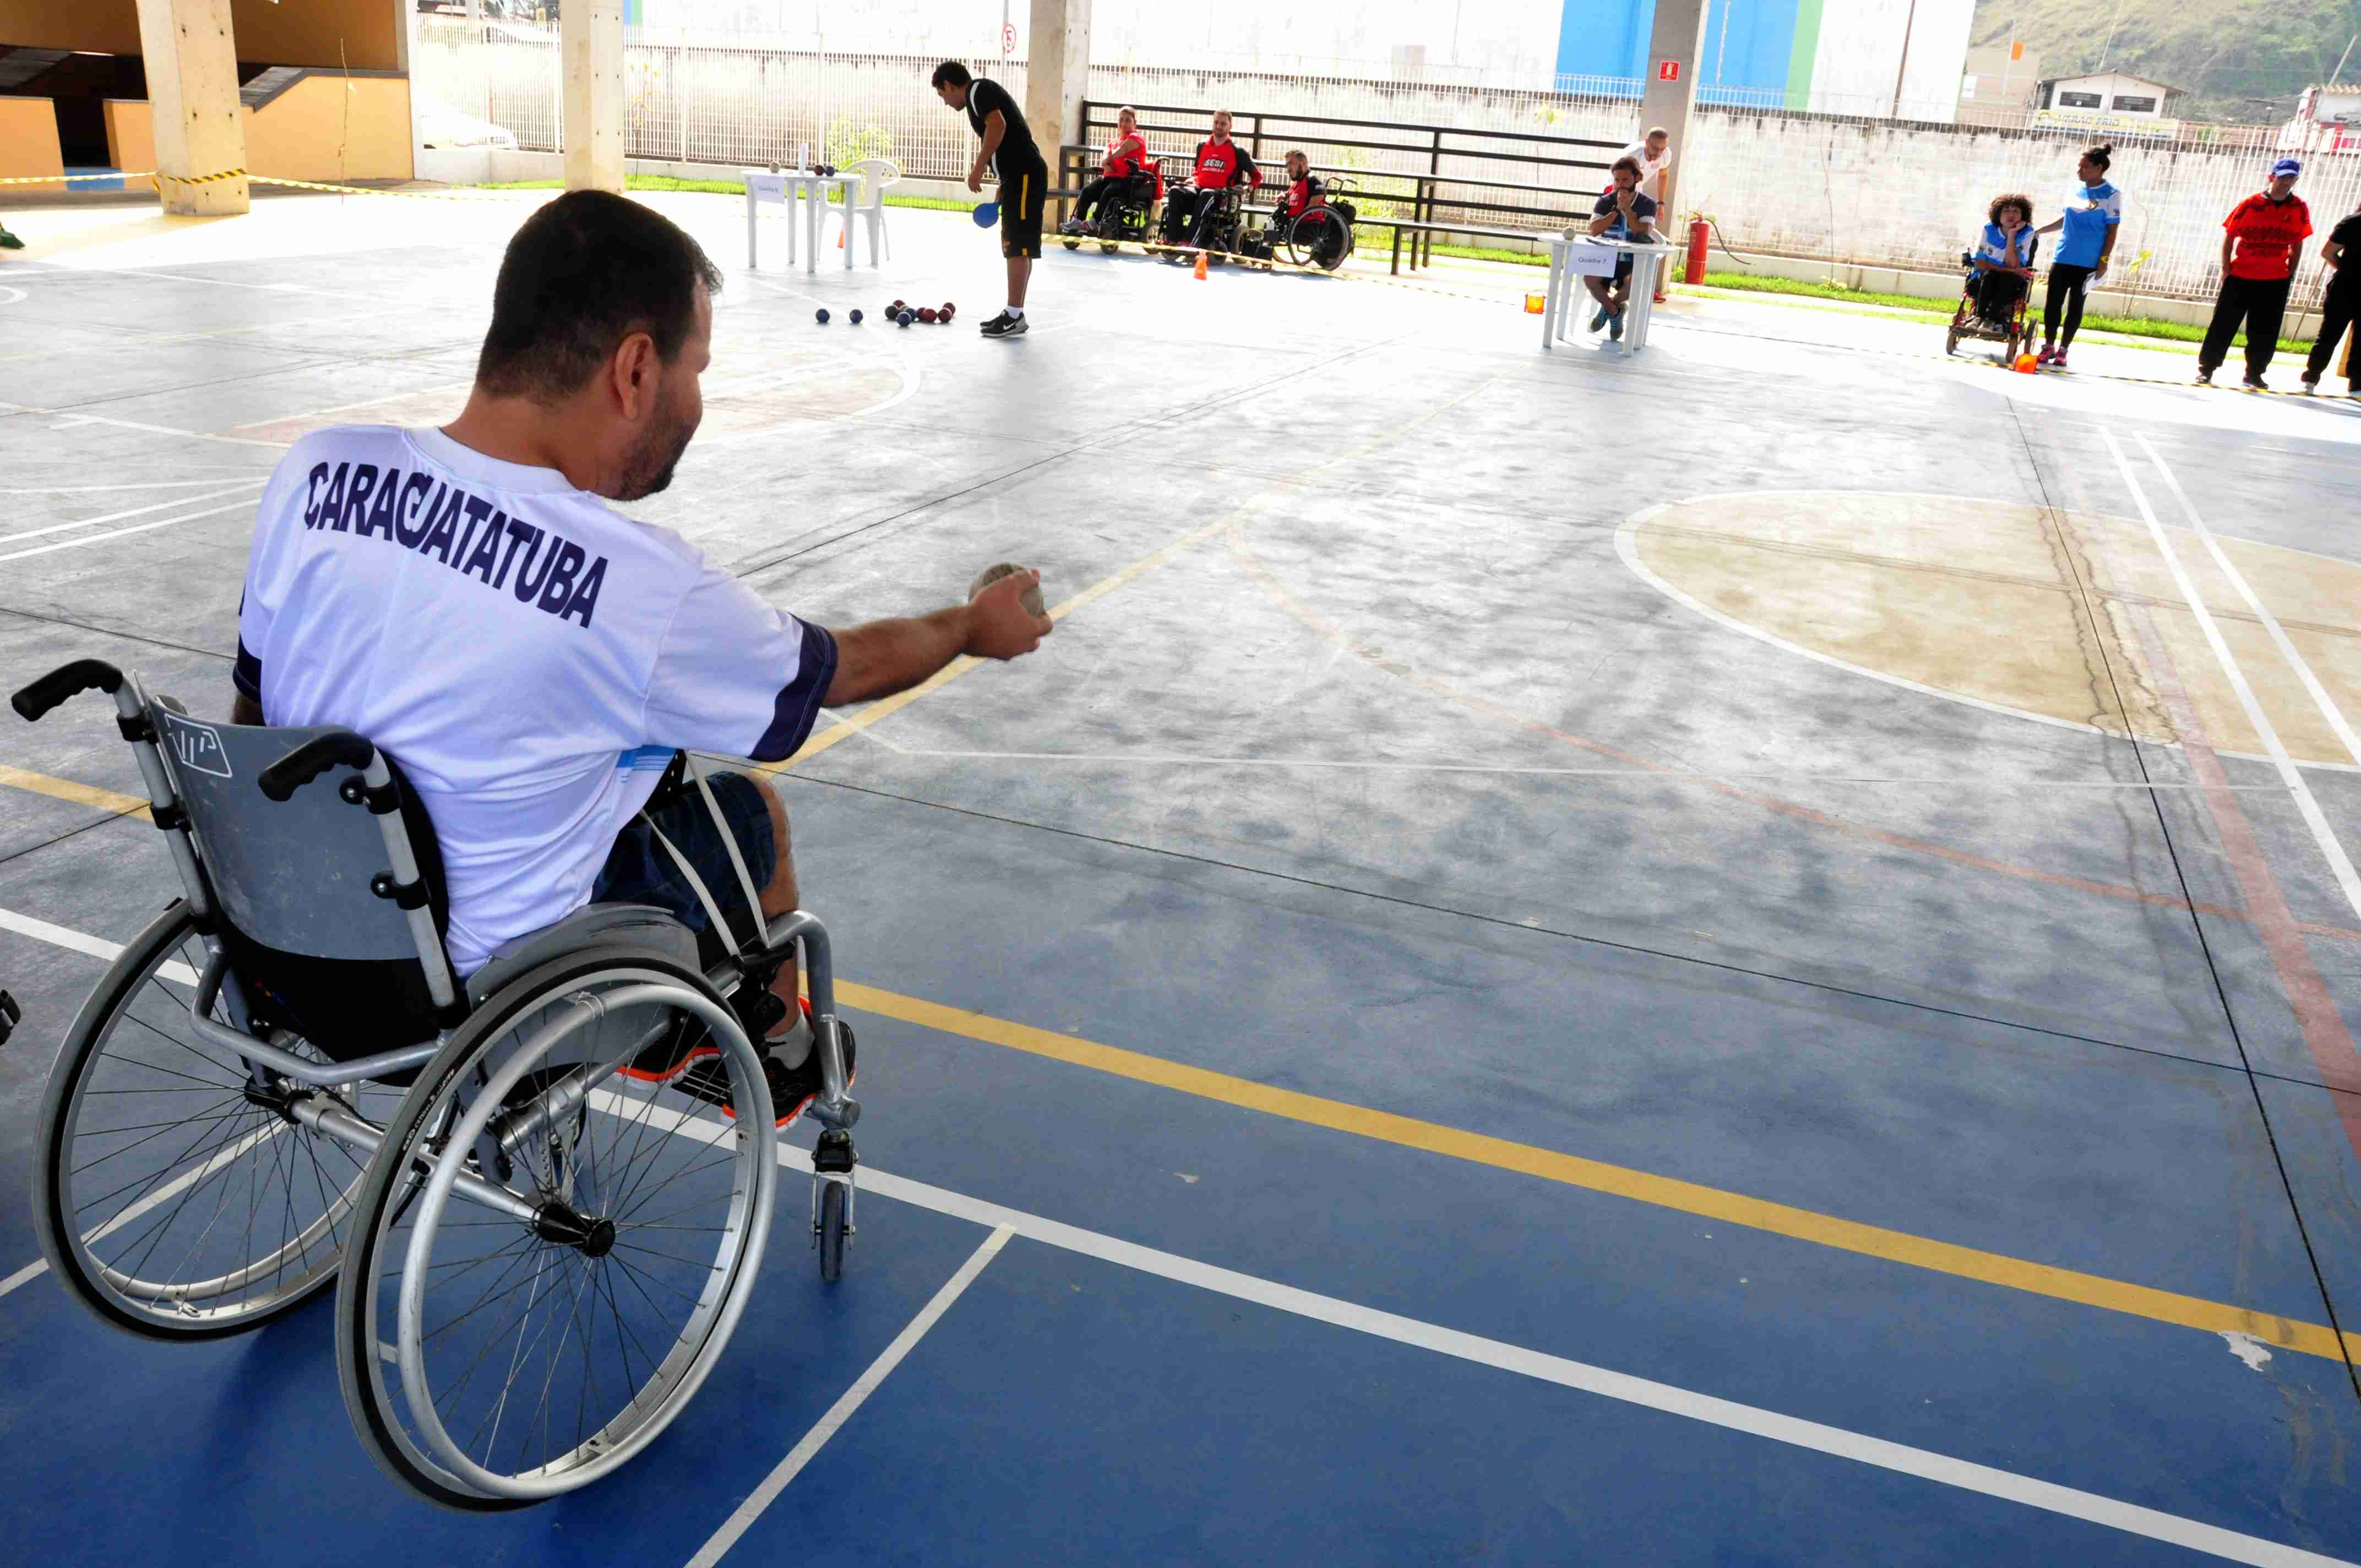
[[1203, 212], [530, 658], [1127, 178], [2001, 266], [1308, 226]]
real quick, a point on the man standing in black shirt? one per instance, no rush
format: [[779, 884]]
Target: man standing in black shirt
[[1009, 154], [2339, 306]]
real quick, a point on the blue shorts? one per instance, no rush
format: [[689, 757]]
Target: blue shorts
[[641, 870]]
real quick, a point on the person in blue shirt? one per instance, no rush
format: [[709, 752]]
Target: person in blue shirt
[[2094, 211], [2004, 258]]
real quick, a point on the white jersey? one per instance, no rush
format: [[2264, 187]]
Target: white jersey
[[528, 656], [1649, 167]]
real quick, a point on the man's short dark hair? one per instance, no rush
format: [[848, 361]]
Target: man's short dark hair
[[952, 73], [1631, 163], [584, 273]]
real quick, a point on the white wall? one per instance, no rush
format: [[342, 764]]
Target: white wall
[[1861, 54]]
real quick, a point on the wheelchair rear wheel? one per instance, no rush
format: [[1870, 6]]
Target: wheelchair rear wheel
[[587, 1226], [1319, 238], [174, 1199]]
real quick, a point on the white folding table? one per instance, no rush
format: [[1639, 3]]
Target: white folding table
[[1586, 257], [804, 195]]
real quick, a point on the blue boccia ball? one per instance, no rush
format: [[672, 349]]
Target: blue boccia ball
[[823, 317], [907, 317], [856, 318]]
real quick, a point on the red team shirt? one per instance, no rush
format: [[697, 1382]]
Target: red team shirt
[[2267, 233], [1218, 164]]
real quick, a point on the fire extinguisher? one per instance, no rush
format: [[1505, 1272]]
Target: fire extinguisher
[[1698, 229]]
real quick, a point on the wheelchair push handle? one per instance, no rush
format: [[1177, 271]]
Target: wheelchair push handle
[[65, 681], [299, 767]]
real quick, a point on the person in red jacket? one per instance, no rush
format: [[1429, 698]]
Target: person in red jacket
[[1223, 170], [2259, 241], [1127, 159], [1303, 192]]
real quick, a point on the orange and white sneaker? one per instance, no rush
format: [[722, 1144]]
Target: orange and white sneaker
[[793, 1088]]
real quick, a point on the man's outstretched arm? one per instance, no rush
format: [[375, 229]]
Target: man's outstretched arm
[[882, 657]]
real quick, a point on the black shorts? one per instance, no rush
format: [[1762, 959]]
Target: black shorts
[[640, 871], [1024, 194]]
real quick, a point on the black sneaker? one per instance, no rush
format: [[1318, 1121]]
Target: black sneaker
[[10, 241], [1005, 325], [2257, 384], [793, 1088], [2204, 376]]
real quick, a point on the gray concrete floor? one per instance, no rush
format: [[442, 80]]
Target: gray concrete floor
[[1377, 770]]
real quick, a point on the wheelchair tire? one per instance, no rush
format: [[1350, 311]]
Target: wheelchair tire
[[250, 1208], [828, 1231], [622, 1233], [1951, 337], [1319, 238]]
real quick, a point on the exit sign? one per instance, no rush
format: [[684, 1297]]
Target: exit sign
[[1668, 70]]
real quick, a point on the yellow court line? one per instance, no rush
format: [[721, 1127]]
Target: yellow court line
[[1524, 1160], [1573, 1170], [80, 793]]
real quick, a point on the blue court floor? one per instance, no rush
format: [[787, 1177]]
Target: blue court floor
[[1563, 959]]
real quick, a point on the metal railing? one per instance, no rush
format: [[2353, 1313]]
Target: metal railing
[[1418, 180]]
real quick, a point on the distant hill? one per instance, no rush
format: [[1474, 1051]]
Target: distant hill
[[2240, 60]]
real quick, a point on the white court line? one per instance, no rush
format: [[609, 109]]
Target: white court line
[[15, 296], [2328, 709], [122, 532], [2288, 772], [97, 273], [70, 419], [841, 1411], [142, 484], [138, 511], [1836, 1442], [75, 941]]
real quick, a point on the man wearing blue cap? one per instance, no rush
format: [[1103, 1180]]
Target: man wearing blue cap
[[2259, 241]]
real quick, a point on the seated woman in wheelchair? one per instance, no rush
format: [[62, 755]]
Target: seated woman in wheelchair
[[1126, 173], [465, 598], [1203, 212], [2001, 263]]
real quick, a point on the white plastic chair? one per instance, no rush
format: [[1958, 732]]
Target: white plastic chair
[[878, 175]]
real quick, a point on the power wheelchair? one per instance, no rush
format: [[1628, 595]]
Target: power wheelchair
[[1127, 213], [541, 1235], [1320, 235], [1221, 229], [1999, 311]]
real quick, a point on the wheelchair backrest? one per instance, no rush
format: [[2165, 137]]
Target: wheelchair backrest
[[293, 876]]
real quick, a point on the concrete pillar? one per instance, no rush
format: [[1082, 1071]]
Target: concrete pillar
[[200, 126], [591, 41], [1057, 73], [1677, 41]]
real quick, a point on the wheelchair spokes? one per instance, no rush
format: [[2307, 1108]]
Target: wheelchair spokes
[[516, 1360], [179, 1200]]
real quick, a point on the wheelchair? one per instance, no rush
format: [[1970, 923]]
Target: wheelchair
[[541, 1226], [1221, 231], [1127, 213], [1995, 316], [1319, 237]]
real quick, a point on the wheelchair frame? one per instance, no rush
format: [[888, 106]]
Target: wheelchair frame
[[491, 1120]]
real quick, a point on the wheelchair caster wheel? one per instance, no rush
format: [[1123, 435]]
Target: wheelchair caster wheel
[[833, 1163]]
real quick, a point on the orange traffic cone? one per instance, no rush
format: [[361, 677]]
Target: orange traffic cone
[[840, 239], [1200, 267]]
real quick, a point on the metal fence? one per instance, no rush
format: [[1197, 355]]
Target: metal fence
[[1862, 189]]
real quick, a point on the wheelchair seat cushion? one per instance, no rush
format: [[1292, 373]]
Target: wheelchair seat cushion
[[639, 925]]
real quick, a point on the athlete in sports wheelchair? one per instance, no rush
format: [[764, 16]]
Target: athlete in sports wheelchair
[[1125, 194], [1203, 212], [1999, 283], [1311, 224], [543, 1194]]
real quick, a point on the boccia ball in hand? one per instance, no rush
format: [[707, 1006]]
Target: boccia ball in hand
[[1030, 598], [821, 317]]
